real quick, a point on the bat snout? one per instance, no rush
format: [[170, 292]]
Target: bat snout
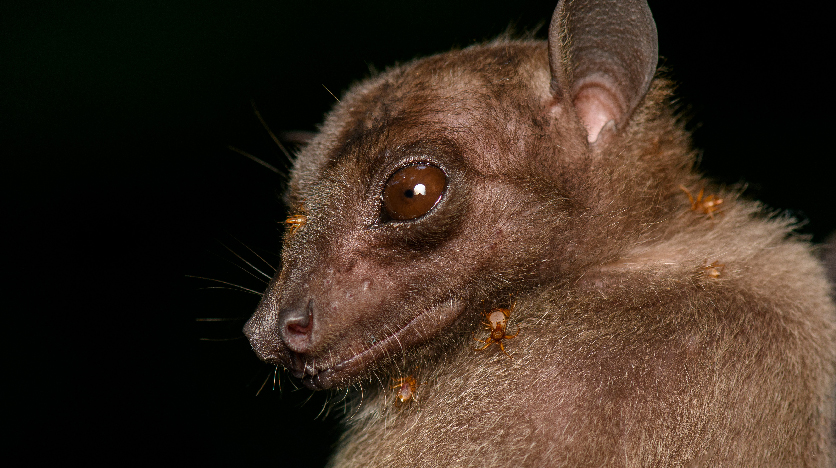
[[277, 331]]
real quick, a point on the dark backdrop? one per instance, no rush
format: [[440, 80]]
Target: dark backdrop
[[116, 117]]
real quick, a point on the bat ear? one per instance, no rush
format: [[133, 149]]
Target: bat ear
[[602, 55]]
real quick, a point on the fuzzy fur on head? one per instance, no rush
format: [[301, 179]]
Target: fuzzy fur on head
[[650, 334]]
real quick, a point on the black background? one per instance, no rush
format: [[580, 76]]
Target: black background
[[115, 122]]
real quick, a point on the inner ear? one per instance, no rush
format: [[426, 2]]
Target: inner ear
[[602, 55], [597, 105]]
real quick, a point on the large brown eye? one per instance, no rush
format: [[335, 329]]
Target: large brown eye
[[413, 191]]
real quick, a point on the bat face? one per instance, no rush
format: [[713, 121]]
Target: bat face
[[418, 202]]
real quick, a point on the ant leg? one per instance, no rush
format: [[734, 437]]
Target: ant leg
[[502, 347], [690, 198], [487, 343], [514, 335]]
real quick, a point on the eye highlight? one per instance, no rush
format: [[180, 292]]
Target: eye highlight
[[412, 191]]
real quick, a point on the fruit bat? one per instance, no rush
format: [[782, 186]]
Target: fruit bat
[[650, 317]]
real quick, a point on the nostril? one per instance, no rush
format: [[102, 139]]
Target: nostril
[[296, 326], [300, 324]]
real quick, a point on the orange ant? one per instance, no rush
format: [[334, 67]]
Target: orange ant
[[707, 205], [297, 221], [714, 270], [407, 386], [497, 323]]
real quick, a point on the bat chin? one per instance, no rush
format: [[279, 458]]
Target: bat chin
[[348, 371]]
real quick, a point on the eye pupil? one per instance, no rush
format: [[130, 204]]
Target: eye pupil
[[412, 191]]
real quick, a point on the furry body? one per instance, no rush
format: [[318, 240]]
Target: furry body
[[631, 351]]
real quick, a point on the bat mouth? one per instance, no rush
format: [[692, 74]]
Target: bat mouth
[[416, 331]]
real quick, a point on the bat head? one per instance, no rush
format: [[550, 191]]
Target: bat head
[[456, 179]]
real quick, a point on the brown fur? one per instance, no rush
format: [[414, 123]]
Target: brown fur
[[630, 352]]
